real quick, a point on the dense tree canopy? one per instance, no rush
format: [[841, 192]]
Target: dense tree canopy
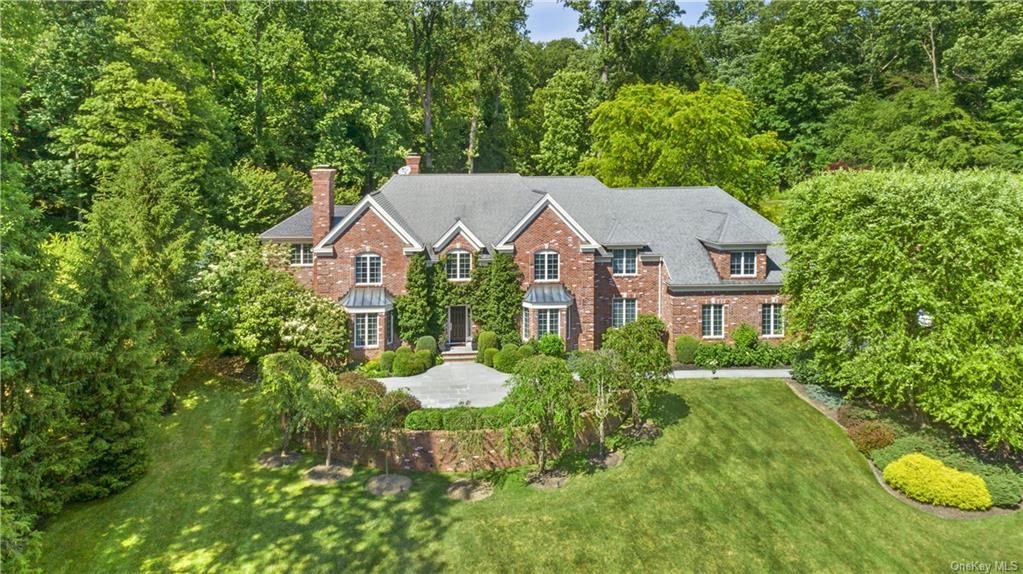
[[872, 255]]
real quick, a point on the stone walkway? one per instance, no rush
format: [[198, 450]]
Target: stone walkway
[[732, 374], [448, 384]]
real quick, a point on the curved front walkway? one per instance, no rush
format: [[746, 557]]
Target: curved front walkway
[[451, 383]]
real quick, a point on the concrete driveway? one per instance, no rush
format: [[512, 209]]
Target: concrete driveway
[[448, 384]]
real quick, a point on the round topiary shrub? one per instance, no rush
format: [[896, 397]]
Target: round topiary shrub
[[871, 435], [685, 349], [408, 364], [486, 340], [526, 351], [426, 357], [428, 343], [506, 359], [552, 345], [403, 351], [488, 356], [358, 381], [387, 360], [512, 338], [402, 402], [745, 336], [928, 480]]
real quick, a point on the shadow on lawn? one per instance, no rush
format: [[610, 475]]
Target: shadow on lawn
[[668, 408]]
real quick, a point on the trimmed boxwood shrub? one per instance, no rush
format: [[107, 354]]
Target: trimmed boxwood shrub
[[356, 381], [722, 355], [552, 345], [402, 401], [511, 338], [428, 343], [488, 356], [923, 478], [408, 364], [685, 349], [387, 360], [526, 351], [871, 435], [1004, 481], [506, 359], [425, 356], [486, 340]]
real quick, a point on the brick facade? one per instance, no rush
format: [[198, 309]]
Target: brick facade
[[739, 308], [722, 261]]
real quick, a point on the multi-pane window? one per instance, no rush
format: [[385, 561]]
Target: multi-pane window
[[459, 265], [744, 263], [713, 321], [368, 269], [622, 311], [389, 327], [623, 261], [548, 321], [771, 321], [545, 266], [366, 333], [525, 324], [301, 253]]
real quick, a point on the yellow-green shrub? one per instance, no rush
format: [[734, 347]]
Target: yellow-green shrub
[[928, 480]]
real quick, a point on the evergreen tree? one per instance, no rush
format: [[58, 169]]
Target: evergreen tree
[[416, 317], [497, 295]]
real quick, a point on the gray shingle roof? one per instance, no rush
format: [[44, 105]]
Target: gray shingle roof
[[672, 222], [367, 298], [300, 225], [547, 294]]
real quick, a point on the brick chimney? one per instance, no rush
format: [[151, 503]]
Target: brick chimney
[[323, 200], [412, 162]]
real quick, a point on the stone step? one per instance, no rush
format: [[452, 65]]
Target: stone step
[[459, 356]]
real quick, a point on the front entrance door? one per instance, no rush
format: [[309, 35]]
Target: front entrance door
[[458, 324]]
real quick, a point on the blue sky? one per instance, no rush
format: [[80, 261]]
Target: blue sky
[[549, 20]]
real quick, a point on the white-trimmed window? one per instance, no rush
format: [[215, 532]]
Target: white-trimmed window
[[459, 265], [301, 254], [622, 311], [548, 321], [525, 324], [545, 266], [744, 264], [366, 330], [712, 321], [771, 322], [389, 326], [623, 261], [368, 269]]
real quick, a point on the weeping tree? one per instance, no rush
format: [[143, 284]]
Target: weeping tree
[[606, 376], [285, 392], [383, 420], [324, 405], [541, 393], [640, 346]]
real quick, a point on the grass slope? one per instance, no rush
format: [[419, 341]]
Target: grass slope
[[746, 477]]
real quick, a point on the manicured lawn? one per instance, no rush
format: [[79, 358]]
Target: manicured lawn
[[746, 477]]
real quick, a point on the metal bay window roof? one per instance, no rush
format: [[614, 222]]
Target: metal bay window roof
[[552, 295], [367, 298]]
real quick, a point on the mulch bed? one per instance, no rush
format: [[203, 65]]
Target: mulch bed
[[388, 484], [468, 490], [940, 511], [549, 480], [274, 459], [323, 474]]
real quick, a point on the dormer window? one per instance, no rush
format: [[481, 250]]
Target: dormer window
[[744, 264], [623, 261], [459, 265], [546, 266], [301, 254], [368, 269]]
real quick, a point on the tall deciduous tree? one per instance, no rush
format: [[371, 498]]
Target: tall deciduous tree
[[657, 135], [566, 102]]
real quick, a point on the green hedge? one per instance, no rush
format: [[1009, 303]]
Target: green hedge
[[488, 356], [1004, 482], [928, 480], [460, 418], [486, 340], [428, 343], [506, 359], [723, 355]]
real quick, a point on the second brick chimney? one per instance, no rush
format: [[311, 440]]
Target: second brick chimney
[[412, 161], [323, 200]]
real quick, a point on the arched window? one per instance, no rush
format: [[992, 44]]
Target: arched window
[[368, 269], [545, 266], [459, 265]]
